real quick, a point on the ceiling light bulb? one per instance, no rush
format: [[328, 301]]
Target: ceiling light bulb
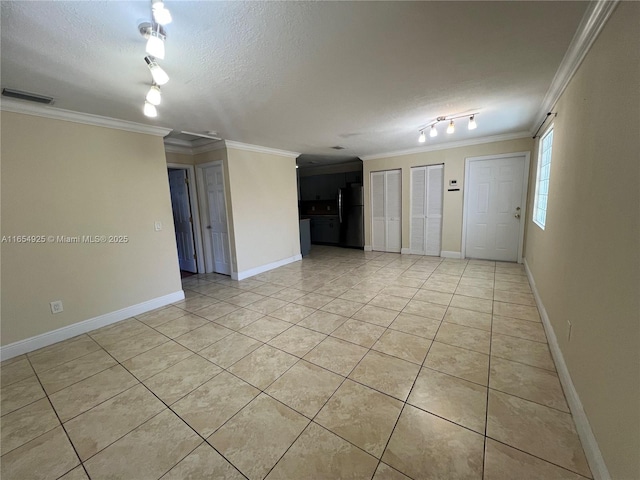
[[472, 122], [161, 14], [155, 45], [160, 77], [154, 96], [150, 110], [451, 128], [422, 138], [433, 132]]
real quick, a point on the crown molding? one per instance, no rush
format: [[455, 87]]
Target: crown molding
[[218, 145], [594, 19], [16, 106], [449, 145], [177, 149], [257, 148]]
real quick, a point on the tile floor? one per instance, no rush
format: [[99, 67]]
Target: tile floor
[[347, 365]]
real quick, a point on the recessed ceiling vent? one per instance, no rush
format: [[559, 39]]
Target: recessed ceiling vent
[[338, 147], [29, 97]]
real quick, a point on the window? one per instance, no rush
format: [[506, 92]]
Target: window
[[542, 180]]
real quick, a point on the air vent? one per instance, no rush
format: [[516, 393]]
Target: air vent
[[338, 147], [29, 97]]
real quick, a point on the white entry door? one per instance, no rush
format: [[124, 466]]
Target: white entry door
[[179, 187], [426, 210], [386, 210], [495, 199], [217, 229]]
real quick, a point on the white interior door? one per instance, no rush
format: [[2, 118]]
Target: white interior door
[[494, 207], [179, 188], [386, 211], [217, 229], [426, 210]]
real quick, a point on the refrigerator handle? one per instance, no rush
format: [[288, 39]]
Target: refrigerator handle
[[340, 204]]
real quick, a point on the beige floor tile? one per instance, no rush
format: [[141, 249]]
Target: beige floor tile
[[464, 337], [376, 315], [480, 274], [360, 333], [440, 285], [520, 350], [130, 347], [387, 374], [57, 378], [358, 296], [476, 292], [513, 287], [390, 302], [155, 318], [149, 451], [223, 293], [519, 328], [265, 328], [420, 448], [19, 394], [288, 294], [267, 305], [46, 457], [292, 313], [522, 312], [336, 355], [313, 300], [82, 396], [502, 277], [175, 382], [120, 331], [218, 310], [416, 325], [305, 387], [62, 352], [268, 289], [531, 383], [209, 406], [457, 400], [297, 341], [321, 455], [15, 371], [238, 319], [245, 298], [468, 318], [404, 281], [256, 438], [181, 325], [505, 463], [9, 361], [400, 291], [402, 345], [261, 367], [155, 360], [425, 309], [204, 336], [346, 308], [77, 473], [459, 362], [332, 290], [93, 430], [385, 472], [476, 282], [432, 296], [323, 322], [471, 303], [230, 349], [361, 415], [194, 304], [541, 431], [203, 462], [514, 297], [22, 426]]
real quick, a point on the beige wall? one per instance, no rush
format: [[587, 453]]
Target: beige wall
[[453, 160], [264, 206], [181, 158], [63, 178], [586, 261]]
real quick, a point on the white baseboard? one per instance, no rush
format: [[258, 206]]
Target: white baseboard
[[368, 248], [405, 251], [70, 331], [588, 439], [264, 268], [445, 254]]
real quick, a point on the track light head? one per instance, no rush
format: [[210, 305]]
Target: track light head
[[160, 13], [150, 110], [433, 131], [422, 138], [472, 122], [160, 77], [451, 128], [154, 96]]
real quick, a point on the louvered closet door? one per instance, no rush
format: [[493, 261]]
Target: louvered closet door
[[386, 211], [426, 210]]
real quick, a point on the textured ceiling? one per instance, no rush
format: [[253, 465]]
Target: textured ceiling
[[299, 76]]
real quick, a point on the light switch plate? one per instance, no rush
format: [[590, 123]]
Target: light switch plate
[[56, 307], [158, 225]]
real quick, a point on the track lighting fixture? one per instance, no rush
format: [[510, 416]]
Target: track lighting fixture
[[154, 96], [158, 74], [155, 45], [433, 131], [160, 13], [150, 110]]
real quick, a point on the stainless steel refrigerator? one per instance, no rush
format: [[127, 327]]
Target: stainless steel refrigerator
[[351, 215]]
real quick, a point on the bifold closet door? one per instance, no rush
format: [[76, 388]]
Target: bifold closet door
[[426, 210], [386, 210]]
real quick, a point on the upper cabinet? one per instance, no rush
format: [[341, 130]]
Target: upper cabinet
[[325, 187]]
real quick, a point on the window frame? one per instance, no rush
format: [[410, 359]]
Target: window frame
[[537, 195]]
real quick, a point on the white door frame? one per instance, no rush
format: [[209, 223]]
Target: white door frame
[[525, 185], [202, 196], [195, 212]]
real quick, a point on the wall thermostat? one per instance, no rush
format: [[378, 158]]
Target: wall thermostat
[[453, 183]]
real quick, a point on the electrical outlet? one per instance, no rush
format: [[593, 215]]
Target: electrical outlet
[[56, 307], [568, 331], [158, 226]]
